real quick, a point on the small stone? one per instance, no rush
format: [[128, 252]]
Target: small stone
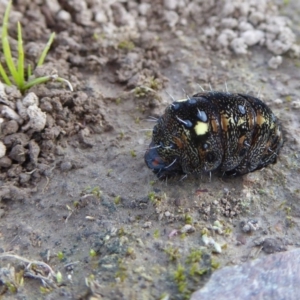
[[9, 127], [252, 37], [10, 114], [187, 228], [46, 106], [167, 214], [271, 245], [171, 17], [278, 101], [63, 15], [24, 178], [229, 23], [30, 99], [100, 17], [170, 4], [296, 104], [239, 46], [66, 166], [2, 149], [144, 8], [34, 151], [37, 118], [5, 162], [147, 224], [275, 62], [18, 153]]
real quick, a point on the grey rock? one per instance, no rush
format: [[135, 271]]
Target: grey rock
[[275, 276]]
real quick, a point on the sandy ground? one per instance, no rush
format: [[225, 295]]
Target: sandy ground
[[77, 199]]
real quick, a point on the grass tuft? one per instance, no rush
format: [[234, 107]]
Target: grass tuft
[[17, 71]]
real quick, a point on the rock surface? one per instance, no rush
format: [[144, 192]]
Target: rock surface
[[273, 277]]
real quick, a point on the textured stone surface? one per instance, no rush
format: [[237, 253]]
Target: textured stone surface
[[276, 276]]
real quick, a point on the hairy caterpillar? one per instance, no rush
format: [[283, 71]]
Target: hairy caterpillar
[[214, 131]]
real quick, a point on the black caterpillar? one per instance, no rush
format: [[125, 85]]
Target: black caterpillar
[[214, 131]]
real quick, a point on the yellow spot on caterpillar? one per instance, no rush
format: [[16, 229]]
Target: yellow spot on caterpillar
[[260, 119], [201, 128], [181, 100]]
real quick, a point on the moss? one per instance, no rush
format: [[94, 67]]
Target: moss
[[127, 45], [117, 200], [92, 253], [154, 83], [156, 234], [288, 98], [148, 134], [121, 135], [173, 253], [130, 252], [60, 255], [195, 270], [133, 154], [215, 264], [180, 279], [188, 219], [194, 256], [11, 287], [92, 190], [45, 290], [122, 271], [151, 196]]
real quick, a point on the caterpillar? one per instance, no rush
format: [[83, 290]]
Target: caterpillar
[[214, 131]]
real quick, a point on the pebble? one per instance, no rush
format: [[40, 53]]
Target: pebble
[[24, 178], [252, 37], [275, 62], [10, 114], [187, 228], [167, 214], [278, 101], [100, 17], [37, 118], [5, 161], [9, 127], [144, 8], [171, 17], [2, 149], [30, 99], [66, 166], [147, 224], [296, 104], [239, 46], [170, 4], [18, 153], [63, 15]]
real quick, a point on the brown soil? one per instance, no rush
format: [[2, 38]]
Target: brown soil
[[78, 196]]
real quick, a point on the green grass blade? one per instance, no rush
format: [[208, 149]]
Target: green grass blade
[[36, 81], [6, 47], [4, 75], [46, 49], [29, 72], [20, 57]]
